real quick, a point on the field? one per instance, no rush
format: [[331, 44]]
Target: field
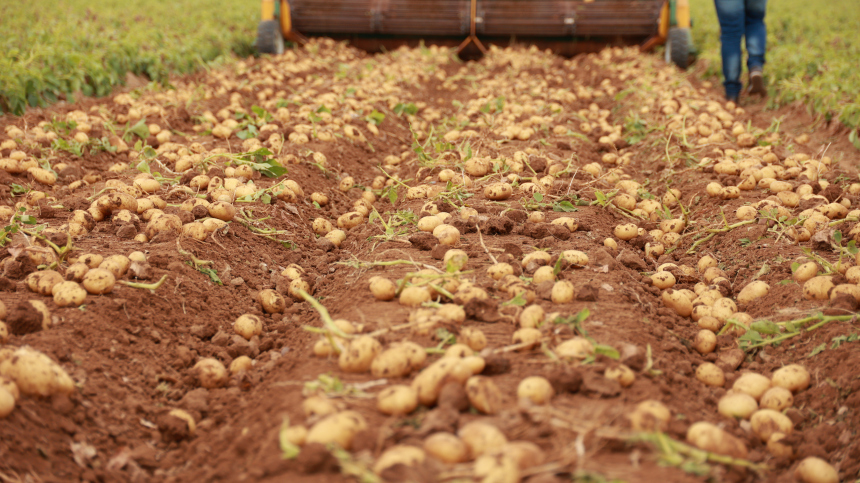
[[336, 266], [57, 50], [810, 58]]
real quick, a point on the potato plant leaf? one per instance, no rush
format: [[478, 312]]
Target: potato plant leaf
[[765, 327], [607, 351], [564, 207]]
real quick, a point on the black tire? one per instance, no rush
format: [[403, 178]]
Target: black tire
[[269, 38], [678, 46]]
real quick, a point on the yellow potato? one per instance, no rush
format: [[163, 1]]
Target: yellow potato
[[536, 389], [429, 382], [446, 447], [399, 455], [484, 395], [708, 373], [705, 342], [455, 260], [481, 437], [211, 373], [737, 405], [777, 398], [382, 288], [340, 428], [69, 294], [43, 281], [76, 271], [818, 288], [318, 406], [36, 374], [359, 354], [531, 317], [650, 415], [241, 363], [447, 235], [98, 281], [7, 403], [563, 292], [815, 470], [751, 383], [350, 220], [627, 231], [248, 325], [663, 280], [414, 296], [766, 422], [575, 348], [321, 226], [753, 291], [397, 400], [472, 337], [806, 271], [621, 373], [222, 210], [498, 191], [678, 301], [529, 337], [709, 437], [392, 362], [272, 301], [793, 377]]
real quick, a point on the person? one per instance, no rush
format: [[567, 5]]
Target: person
[[742, 18]]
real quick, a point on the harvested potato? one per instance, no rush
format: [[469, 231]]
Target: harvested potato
[[392, 362], [43, 281], [805, 272], [529, 337], [98, 281], [815, 470], [539, 258], [36, 374], [447, 235], [532, 317], [753, 291], [709, 437], [295, 286], [793, 377], [321, 226], [7, 403], [399, 455], [498, 191], [663, 280], [543, 274], [818, 288], [397, 400], [499, 270], [272, 301], [222, 210], [211, 373], [339, 428], [575, 348], [481, 437], [621, 373], [563, 292], [777, 398], [429, 382], [414, 296], [766, 422], [536, 389], [451, 313], [248, 325], [116, 264], [359, 354], [317, 406], [678, 301], [69, 294], [752, 383], [708, 373], [472, 337], [240, 364], [76, 271], [446, 447], [350, 220], [166, 223], [705, 341], [4, 333], [455, 260], [737, 405], [626, 232], [484, 395], [650, 415], [567, 222]]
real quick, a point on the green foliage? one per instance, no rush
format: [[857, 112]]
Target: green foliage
[[810, 58], [49, 50]]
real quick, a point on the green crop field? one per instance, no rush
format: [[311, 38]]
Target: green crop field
[[49, 49], [812, 54]]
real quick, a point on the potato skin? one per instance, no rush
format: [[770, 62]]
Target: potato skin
[[536, 389], [399, 455], [815, 470], [7, 403], [397, 400], [272, 301], [339, 428], [793, 377], [359, 354], [68, 294], [484, 394], [211, 373], [709, 437], [446, 447], [481, 437], [98, 281]]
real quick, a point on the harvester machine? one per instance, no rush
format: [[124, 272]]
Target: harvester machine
[[567, 27]]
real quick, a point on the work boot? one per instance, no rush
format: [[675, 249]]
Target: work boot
[[757, 82]]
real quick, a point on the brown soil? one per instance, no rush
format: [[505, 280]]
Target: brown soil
[[132, 352]]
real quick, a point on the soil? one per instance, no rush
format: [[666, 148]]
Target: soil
[[132, 352]]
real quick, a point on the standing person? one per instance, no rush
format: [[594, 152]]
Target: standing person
[[742, 18]]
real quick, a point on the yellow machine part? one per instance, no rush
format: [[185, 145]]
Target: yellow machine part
[[682, 17], [268, 10], [268, 13]]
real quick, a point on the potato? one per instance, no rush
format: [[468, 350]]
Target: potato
[[42, 282], [98, 281], [7, 403], [563, 292], [708, 373], [455, 260], [36, 374], [621, 373], [451, 313], [241, 363], [350, 220], [498, 191], [295, 286], [663, 280], [321, 226], [222, 210], [4, 332], [765, 422], [429, 223], [76, 271], [705, 342], [359, 354], [447, 235], [382, 288], [116, 264], [484, 395], [69, 294], [318, 406], [272, 301], [537, 217], [446, 447], [751, 383], [539, 257], [248, 325], [777, 398], [737, 405], [805, 272], [543, 274], [473, 338], [528, 336], [678, 301], [165, 223], [10, 386], [399, 455], [211, 373], [339, 428], [626, 232], [817, 288], [815, 470], [474, 364], [711, 438], [496, 467], [650, 415], [393, 362], [481, 437], [793, 377], [575, 348], [398, 400], [536, 389], [753, 291], [567, 222], [414, 296], [525, 453], [429, 382]]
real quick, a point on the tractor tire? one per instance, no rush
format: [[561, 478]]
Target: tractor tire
[[678, 47], [269, 38]]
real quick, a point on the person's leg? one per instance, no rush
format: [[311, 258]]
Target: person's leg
[[756, 33], [756, 40], [731, 14]]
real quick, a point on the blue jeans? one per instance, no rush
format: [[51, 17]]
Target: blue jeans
[[739, 18]]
